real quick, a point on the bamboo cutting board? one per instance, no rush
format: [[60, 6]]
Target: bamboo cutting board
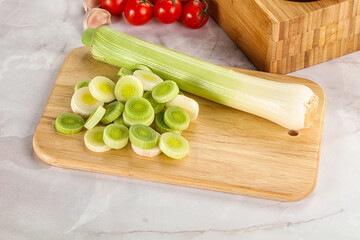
[[230, 151], [282, 36]]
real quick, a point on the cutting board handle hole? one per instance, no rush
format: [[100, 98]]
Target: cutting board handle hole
[[293, 133]]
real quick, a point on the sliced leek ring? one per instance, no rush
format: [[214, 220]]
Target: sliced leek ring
[[102, 88], [152, 152], [143, 136], [186, 103], [165, 91], [160, 124], [176, 118], [174, 145], [129, 122], [81, 84], [138, 108], [95, 117], [149, 79], [116, 136], [83, 103], [69, 123], [94, 140], [127, 87], [113, 111]]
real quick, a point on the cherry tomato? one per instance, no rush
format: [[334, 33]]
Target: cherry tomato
[[167, 11], [138, 12], [194, 14], [183, 2], [115, 7]]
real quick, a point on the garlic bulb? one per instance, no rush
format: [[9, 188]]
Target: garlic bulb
[[96, 17], [89, 4]]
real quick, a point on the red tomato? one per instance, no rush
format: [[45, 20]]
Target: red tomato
[[194, 14], [183, 2], [167, 11], [138, 12], [114, 6]]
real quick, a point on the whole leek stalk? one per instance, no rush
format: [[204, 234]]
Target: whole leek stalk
[[289, 105]]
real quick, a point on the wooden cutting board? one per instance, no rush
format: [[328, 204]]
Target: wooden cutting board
[[231, 151], [282, 36]]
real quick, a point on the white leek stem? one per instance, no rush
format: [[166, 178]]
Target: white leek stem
[[289, 105]]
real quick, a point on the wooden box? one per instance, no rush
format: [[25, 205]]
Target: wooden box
[[282, 36]]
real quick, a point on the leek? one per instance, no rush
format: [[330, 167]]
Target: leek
[[289, 105]]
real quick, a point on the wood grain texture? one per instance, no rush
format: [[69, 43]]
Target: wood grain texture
[[231, 151], [281, 36]]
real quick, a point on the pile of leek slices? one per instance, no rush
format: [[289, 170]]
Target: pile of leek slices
[[127, 110]]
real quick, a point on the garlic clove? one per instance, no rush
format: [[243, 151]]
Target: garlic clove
[[89, 4], [96, 17]]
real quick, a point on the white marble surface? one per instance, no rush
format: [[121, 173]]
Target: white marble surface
[[38, 201]]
